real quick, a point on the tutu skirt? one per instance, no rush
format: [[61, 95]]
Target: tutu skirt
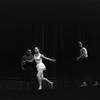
[[41, 66]]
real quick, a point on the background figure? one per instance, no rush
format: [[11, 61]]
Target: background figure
[[83, 70], [83, 52], [28, 68], [41, 67]]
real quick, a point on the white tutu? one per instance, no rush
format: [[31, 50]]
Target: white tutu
[[41, 66]]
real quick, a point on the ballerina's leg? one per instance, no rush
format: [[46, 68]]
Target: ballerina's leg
[[39, 80], [43, 78]]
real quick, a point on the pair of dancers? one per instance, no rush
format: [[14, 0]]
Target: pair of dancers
[[40, 66]]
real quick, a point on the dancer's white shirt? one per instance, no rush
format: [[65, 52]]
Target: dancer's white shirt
[[39, 63], [83, 50]]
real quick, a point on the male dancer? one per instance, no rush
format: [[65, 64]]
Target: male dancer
[[83, 56], [28, 68]]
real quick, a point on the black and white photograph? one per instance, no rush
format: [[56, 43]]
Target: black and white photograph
[[50, 49]]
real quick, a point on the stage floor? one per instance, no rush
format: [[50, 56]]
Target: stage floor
[[54, 94], [12, 90]]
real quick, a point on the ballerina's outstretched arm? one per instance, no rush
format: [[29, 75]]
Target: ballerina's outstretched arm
[[47, 58]]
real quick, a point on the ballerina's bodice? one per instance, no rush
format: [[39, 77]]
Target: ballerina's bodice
[[38, 58]]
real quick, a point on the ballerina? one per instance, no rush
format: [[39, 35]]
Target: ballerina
[[41, 67]]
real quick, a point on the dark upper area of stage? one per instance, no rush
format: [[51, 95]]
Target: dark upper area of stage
[[54, 25]]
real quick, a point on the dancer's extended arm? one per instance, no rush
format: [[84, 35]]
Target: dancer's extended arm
[[47, 58]]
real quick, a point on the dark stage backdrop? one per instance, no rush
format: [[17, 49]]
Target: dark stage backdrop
[[56, 27]]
